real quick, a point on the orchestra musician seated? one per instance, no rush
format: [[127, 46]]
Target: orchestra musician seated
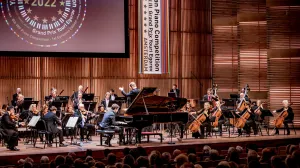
[[9, 128], [250, 122], [113, 96], [206, 123], [221, 120], [132, 94], [108, 122], [78, 101], [258, 111], [105, 101], [52, 123], [209, 96], [83, 123], [15, 97], [288, 119]]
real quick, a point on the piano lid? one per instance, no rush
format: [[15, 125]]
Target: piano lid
[[153, 103]]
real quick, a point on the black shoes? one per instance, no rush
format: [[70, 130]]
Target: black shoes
[[14, 149]]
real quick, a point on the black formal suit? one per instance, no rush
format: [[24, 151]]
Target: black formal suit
[[115, 95], [9, 130], [14, 99], [209, 98], [52, 122], [131, 95], [176, 91], [76, 103], [75, 95], [249, 123], [103, 102], [287, 120], [83, 124]]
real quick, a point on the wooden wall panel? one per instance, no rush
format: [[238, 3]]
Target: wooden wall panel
[[266, 49], [190, 50]]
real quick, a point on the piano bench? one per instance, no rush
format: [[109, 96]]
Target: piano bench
[[152, 133], [107, 134]]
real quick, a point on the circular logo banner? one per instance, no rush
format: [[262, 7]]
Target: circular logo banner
[[44, 23]]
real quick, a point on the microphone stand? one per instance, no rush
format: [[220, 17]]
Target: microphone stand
[[171, 107]]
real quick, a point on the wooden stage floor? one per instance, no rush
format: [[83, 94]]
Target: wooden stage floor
[[219, 143]]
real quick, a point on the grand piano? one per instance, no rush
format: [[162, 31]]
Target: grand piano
[[147, 109]]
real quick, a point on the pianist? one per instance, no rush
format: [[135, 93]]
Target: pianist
[[132, 94], [108, 121]]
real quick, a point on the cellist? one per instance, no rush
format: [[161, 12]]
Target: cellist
[[206, 123], [288, 119], [221, 119], [251, 121]]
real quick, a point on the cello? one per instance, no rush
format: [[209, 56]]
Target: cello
[[243, 118], [194, 126], [278, 122], [242, 105], [217, 114]]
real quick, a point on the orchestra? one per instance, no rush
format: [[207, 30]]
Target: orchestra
[[200, 123]]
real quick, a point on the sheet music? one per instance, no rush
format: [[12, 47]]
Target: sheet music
[[72, 122], [34, 121]]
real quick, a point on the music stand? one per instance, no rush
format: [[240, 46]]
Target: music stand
[[89, 106], [27, 104], [28, 98], [172, 94], [63, 98], [88, 96], [32, 123], [229, 103], [234, 96], [72, 125], [228, 114], [267, 113]]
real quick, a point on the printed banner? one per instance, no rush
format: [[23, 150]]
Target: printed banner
[[154, 36]]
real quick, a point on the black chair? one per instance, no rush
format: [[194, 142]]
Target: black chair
[[293, 127], [42, 130]]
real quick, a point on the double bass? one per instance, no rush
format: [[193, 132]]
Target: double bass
[[242, 105], [278, 122]]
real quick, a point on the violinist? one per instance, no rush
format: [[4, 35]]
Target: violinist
[[19, 103], [105, 101], [75, 94], [71, 113], [15, 97], [33, 110], [250, 122], [288, 119], [9, 129], [52, 123], [3, 109], [78, 101], [44, 110], [84, 126], [221, 120], [206, 123], [209, 96]]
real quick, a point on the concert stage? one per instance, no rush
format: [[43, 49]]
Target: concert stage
[[220, 143]]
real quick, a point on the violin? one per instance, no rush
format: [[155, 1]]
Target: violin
[[14, 117], [278, 122]]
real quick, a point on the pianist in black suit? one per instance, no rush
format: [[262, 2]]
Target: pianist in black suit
[[52, 122], [175, 90], [132, 94], [108, 121], [9, 129], [112, 96], [15, 97]]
